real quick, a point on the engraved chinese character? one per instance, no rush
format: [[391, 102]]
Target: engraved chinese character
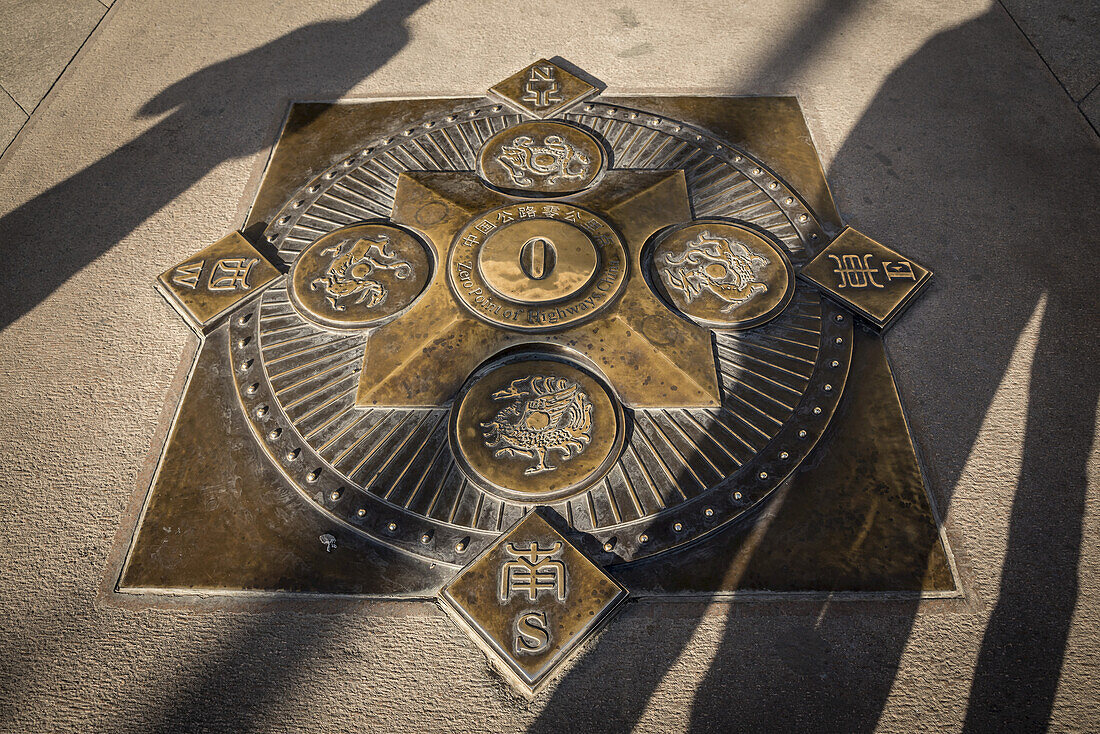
[[231, 274], [504, 217], [541, 89], [526, 211], [187, 276], [603, 240], [550, 211], [470, 240], [855, 271], [571, 217], [898, 270], [593, 225], [534, 570], [485, 226]]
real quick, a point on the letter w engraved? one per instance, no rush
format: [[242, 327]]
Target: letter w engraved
[[534, 570]]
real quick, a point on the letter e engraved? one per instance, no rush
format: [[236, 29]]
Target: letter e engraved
[[541, 89], [855, 271], [187, 276], [534, 570], [532, 633], [231, 274], [898, 270]]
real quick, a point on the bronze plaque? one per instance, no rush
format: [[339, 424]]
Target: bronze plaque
[[604, 315], [207, 286], [867, 277], [531, 598]]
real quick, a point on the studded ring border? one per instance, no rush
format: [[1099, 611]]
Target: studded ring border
[[325, 488], [728, 499]]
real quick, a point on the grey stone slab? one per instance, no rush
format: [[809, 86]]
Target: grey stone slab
[[38, 38], [12, 118], [1067, 35], [1090, 106]]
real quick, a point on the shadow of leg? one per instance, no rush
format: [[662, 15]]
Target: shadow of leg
[[1025, 642]]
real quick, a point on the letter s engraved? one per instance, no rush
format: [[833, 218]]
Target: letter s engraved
[[532, 634]]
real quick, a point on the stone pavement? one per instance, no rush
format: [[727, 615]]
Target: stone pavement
[[952, 131]]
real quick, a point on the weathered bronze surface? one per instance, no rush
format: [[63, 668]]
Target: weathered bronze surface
[[479, 347], [205, 287], [541, 159], [542, 89], [531, 598], [867, 277]]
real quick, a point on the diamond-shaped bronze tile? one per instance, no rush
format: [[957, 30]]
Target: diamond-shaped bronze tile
[[214, 280], [543, 89], [531, 598], [866, 276]]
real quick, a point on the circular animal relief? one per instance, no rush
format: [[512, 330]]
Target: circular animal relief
[[535, 429], [723, 274], [359, 276], [541, 159]]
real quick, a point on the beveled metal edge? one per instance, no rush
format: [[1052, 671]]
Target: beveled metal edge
[[502, 661]]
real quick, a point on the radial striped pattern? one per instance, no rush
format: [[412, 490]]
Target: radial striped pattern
[[403, 457]]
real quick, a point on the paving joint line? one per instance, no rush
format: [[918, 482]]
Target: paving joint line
[[65, 68], [1039, 53]]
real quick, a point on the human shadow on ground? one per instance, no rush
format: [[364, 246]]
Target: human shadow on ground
[[970, 160], [212, 117]]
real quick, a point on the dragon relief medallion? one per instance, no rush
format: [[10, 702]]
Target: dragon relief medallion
[[544, 414], [552, 161], [351, 267], [722, 266]]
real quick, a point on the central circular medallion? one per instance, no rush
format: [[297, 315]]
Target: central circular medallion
[[537, 267], [535, 429], [537, 261]]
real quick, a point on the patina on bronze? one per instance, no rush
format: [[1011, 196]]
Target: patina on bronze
[[215, 280], [723, 274], [385, 422], [542, 89], [867, 277], [543, 158], [651, 356], [537, 267]]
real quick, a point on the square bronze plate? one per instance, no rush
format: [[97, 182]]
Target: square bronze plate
[[232, 510], [866, 276], [531, 598], [216, 279]]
